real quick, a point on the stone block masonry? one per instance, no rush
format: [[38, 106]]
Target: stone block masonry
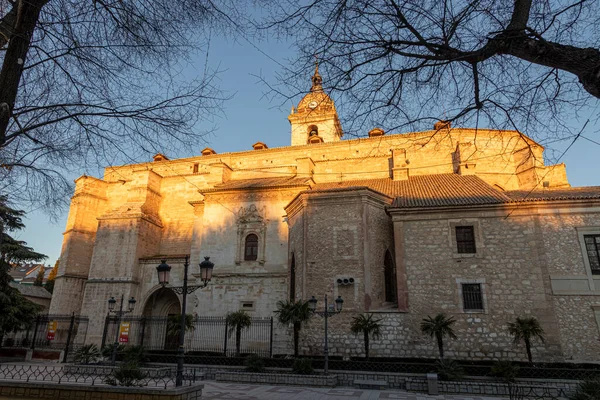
[[381, 210]]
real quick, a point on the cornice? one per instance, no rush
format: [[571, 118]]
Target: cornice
[[137, 215], [500, 210], [87, 194], [337, 196], [270, 188], [75, 230], [72, 276], [301, 149], [111, 281]]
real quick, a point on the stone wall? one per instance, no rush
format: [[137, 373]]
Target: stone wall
[[170, 208], [429, 152], [46, 390], [507, 267]]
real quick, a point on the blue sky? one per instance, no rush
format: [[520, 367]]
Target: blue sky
[[250, 117]]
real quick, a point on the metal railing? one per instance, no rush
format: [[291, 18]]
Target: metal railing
[[208, 335], [92, 375], [540, 372], [50, 331]]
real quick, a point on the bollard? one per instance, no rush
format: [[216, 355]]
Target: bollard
[[432, 384]]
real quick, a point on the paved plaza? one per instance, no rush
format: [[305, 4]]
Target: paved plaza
[[234, 391]]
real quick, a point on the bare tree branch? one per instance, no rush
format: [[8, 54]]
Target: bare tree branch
[[520, 64]]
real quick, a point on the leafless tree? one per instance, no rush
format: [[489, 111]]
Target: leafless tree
[[86, 82], [522, 64]]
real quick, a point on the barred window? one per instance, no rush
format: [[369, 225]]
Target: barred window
[[465, 239], [251, 248], [472, 296], [592, 246]]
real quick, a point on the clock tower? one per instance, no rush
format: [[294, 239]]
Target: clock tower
[[315, 120]]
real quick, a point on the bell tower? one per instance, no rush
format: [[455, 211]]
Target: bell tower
[[315, 120]]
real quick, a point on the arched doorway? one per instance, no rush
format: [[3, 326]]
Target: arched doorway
[[161, 306]]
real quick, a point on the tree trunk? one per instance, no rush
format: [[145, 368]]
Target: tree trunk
[[14, 59], [366, 344], [296, 338], [440, 343], [238, 338], [528, 349]]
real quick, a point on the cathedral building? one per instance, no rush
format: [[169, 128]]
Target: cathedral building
[[469, 222]]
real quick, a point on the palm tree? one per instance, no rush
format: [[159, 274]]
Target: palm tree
[[438, 327], [367, 325], [526, 329], [174, 326], [237, 321], [295, 313]]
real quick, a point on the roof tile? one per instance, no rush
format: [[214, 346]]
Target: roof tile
[[428, 190]]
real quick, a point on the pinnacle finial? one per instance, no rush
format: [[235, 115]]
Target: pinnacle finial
[[316, 79]]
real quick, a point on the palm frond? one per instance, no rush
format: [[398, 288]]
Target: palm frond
[[438, 325], [237, 319], [366, 323]]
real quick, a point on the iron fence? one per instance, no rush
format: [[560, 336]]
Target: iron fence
[[207, 335], [284, 364], [94, 375], [50, 331], [519, 392]]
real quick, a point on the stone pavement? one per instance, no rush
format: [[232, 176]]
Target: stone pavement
[[235, 391]]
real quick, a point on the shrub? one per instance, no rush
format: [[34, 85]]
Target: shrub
[[587, 390], [108, 349], [9, 342], [128, 374], [87, 354], [505, 370], [135, 354], [254, 363], [449, 370], [302, 366]]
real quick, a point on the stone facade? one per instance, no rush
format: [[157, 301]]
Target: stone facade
[[372, 220]]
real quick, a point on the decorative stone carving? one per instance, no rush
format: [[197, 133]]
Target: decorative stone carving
[[251, 220]]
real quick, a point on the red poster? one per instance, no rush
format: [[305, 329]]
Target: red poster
[[51, 330], [124, 332]]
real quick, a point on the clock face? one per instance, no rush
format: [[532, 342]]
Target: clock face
[[313, 104]]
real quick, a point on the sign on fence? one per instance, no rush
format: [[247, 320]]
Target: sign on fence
[[124, 332], [51, 330]]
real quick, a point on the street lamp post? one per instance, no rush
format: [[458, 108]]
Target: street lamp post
[[164, 270], [111, 310], [326, 313]]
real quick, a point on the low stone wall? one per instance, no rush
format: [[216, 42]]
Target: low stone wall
[[277, 379], [156, 372], [43, 390], [533, 388]]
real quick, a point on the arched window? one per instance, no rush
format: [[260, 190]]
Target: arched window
[[313, 130], [251, 248], [389, 271], [293, 279]]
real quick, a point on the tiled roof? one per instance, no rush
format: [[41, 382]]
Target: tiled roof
[[576, 193], [261, 183], [428, 190], [32, 291], [438, 190]]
